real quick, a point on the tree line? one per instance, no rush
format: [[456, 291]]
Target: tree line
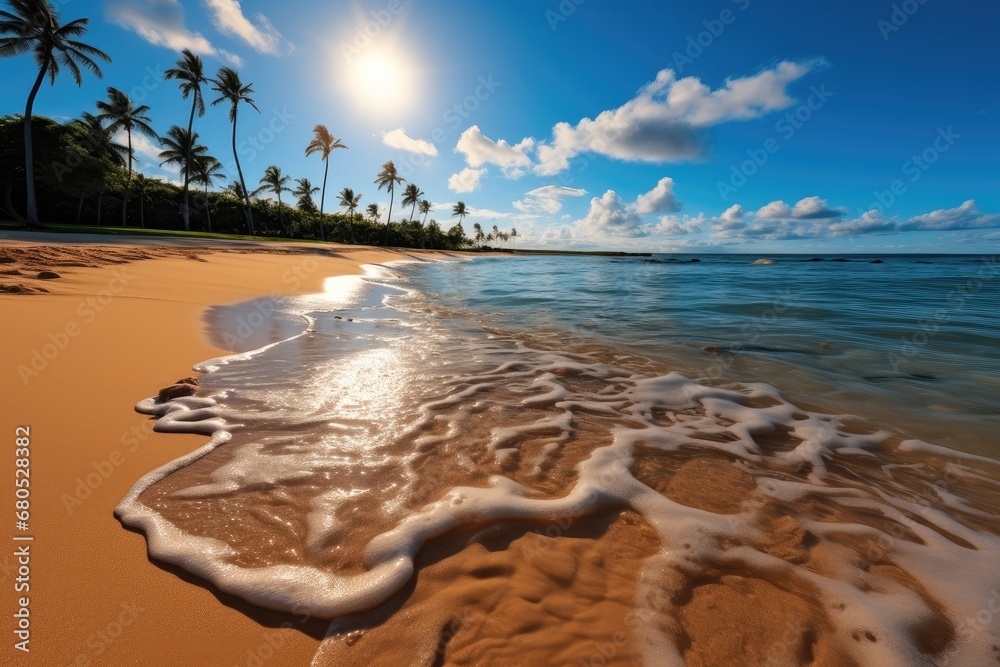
[[81, 170]]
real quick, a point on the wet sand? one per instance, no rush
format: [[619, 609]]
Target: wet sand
[[121, 321]]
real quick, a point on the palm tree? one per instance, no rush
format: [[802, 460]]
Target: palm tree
[[121, 114], [206, 169], [479, 231], [388, 178], [411, 196], [33, 25], [190, 71], [323, 143], [461, 210], [100, 142], [373, 212], [349, 200], [227, 83], [425, 208], [513, 233], [276, 182], [181, 148], [305, 193]]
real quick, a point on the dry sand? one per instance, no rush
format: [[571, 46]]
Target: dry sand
[[111, 330]]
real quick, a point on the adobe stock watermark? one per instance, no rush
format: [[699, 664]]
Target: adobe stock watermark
[[561, 14], [697, 44], [786, 127], [378, 21], [453, 118], [898, 17], [927, 329], [88, 310], [914, 168]]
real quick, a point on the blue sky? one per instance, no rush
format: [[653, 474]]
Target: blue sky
[[725, 125]]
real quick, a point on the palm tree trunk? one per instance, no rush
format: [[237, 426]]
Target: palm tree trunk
[[392, 196], [208, 210], [187, 166], [128, 182], [425, 218], [413, 210], [29, 158], [239, 170], [281, 219], [322, 200], [142, 210], [79, 209], [100, 203]]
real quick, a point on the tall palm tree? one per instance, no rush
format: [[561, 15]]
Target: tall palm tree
[[276, 182], [190, 71], [304, 194], [323, 143], [513, 233], [206, 170], [121, 114], [479, 236], [373, 212], [349, 200], [388, 178], [425, 208], [33, 25], [411, 197], [227, 83], [101, 143]]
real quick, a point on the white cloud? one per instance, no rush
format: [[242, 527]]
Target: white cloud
[[142, 146], [810, 208], [666, 120], [398, 139], [159, 22], [546, 199], [466, 180], [660, 199], [610, 216], [966, 216], [480, 150], [671, 225], [262, 36]]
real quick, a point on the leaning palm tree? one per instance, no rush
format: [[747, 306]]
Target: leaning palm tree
[[349, 200], [373, 212], [425, 208], [411, 197], [304, 195], [227, 83], [204, 172], [388, 178], [190, 71], [276, 182], [33, 25], [323, 143]]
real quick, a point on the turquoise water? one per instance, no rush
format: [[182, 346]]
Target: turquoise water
[[912, 343]]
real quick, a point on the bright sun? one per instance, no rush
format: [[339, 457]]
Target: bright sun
[[380, 79]]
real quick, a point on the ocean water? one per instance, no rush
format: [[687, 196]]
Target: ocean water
[[527, 460]]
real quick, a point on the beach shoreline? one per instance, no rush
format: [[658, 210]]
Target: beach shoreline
[[79, 358]]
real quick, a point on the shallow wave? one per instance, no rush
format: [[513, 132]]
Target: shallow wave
[[652, 507]]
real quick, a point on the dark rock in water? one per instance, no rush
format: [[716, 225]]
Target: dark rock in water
[[825, 346], [183, 387], [839, 259], [877, 261], [48, 275], [694, 261]]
